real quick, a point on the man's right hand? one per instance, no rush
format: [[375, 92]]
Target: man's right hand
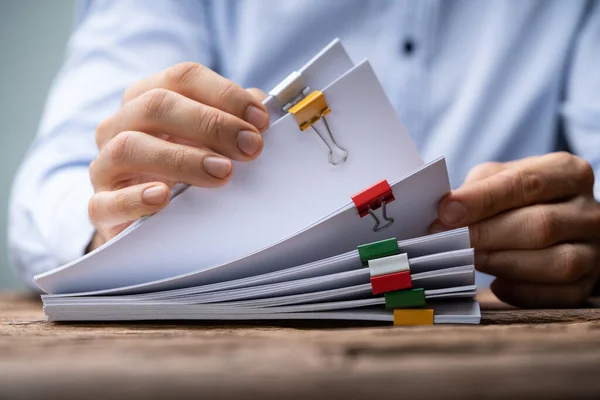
[[184, 124]]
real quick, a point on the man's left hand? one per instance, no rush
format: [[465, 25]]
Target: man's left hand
[[534, 224]]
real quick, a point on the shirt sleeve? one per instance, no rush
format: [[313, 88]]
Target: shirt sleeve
[[114, 43], [581, 108]]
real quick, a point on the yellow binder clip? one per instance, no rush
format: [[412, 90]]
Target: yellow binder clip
[[406, 317], [311, 109]]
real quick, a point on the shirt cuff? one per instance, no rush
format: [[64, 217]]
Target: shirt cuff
[[64, 220]]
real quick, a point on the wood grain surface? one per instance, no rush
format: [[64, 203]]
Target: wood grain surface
[[513, 354]]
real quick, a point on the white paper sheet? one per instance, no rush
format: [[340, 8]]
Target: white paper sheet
[[440, 279], [453, 248], [456, 311], [414, 209]]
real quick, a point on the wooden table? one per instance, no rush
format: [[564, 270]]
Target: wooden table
[[513, 354]]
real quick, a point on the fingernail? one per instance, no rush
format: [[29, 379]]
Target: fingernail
[[454, 212], [218, 167], [257, 117], [154, 195], [249, 142]]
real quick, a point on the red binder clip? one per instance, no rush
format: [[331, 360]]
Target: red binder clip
[[391, 282], [378, 195]]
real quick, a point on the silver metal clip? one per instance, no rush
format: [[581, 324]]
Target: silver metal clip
[[389, 220]]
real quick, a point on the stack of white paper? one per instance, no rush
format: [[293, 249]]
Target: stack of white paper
[[279, 241]]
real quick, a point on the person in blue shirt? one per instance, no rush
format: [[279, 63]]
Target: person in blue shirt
[[152, 93]]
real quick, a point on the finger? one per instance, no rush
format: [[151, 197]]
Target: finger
[[160, 112], [114, 208], [437, 227], [487, 169], [203, 85], [135, 153], [537, 227], [538, 295], [557, 264], [257, 93], [483, 171], [532, 180]]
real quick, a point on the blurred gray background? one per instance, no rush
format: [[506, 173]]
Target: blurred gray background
[[33, 34]]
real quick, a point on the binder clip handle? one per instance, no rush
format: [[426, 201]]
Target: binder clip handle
[[389, 220], [340, 151], [373, 198]]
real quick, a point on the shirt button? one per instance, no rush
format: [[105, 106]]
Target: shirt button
[[408, 47]]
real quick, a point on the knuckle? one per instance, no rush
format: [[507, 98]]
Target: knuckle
[[92, 169], [544, 226], [480, 236], [178, 159], [183, 74], [225, 92], [103, 132], [93, 209], [210, 124], [122, 204], [489, 201], [157, 103], [529, 185], [95, 173], [571, 263], [585, 172], [121, 147], [486, 167], [581, 169]]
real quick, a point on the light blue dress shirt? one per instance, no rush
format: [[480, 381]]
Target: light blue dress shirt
[[472, 80]]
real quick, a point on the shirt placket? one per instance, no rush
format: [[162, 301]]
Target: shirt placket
[[414, 44]]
